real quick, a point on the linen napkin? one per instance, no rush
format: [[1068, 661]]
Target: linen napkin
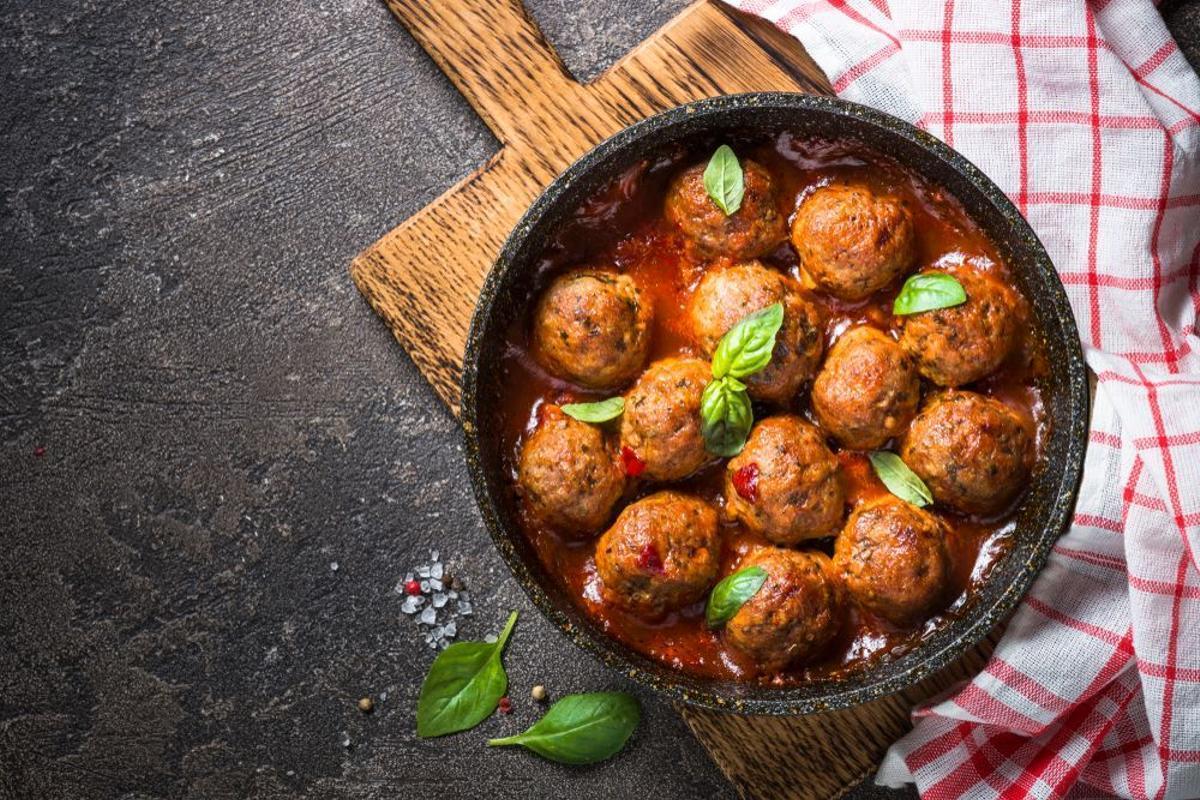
[[1088, 116]]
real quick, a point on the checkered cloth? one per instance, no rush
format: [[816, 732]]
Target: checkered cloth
[[1086, 114]]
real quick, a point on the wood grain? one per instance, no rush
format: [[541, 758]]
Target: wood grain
[[423, 277]]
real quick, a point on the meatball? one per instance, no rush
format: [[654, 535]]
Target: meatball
[[794, 615], [725, 296], [893, 559], [662, 553], [973, 452], [964, 343], [867, 391], [784, 484], [852, 241], [661, 423], [569, 477], [755, 229], [593, 328]]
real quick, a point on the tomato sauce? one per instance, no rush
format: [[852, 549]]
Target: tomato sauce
[[622, 227]]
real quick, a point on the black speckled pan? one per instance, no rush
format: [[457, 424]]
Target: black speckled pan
[[1042, 516]]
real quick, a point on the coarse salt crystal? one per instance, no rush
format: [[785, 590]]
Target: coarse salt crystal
[[410, 605], [435, 584], [451, 629], [439, 600], [408, 576], [436, 571], [433, 555], [464, 596], [423, 571], [425, 587], [428, 616], [453, 595], [490, 638], [464, 609]]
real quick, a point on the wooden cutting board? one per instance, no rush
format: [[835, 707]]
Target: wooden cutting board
[[424, 276]]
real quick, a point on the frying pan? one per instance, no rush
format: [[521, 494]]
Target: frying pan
[[1041, 516]]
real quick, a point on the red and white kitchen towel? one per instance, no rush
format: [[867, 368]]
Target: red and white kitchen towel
[[1088, 116]]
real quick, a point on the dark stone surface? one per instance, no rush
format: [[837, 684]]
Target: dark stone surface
[[182, 188]]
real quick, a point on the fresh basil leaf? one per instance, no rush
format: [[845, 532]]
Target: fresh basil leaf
[[463, 686], [899, 479], [599, 411], [723, 180], [746, 348], [927, 292], [725, 416], [731, 593], [581, 728]]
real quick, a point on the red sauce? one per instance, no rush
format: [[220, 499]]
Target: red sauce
[[623, 226]]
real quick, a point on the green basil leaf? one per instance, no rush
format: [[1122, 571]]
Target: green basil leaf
[[725, 417], [463, 686], [746, 348], [899, 479], [581, 728], [927, 292], [600, 411], [731, 593], [723, 180]]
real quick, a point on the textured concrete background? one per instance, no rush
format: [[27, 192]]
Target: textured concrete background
[[182, 187]]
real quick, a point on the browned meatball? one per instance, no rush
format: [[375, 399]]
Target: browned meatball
[[964, 343], [794, 615], [784, 485], [662, 553], [755, 229], [567, 474], [852, 242], [593, 328], [892, 557], [661, 423], [867, 391], [726, 296], [972, 451]]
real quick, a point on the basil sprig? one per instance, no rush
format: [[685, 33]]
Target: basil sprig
[[463, 686], [725, 412], [899, 479], [723, 180], [732, 593], [581, 728], [929, 291], [599, 411]]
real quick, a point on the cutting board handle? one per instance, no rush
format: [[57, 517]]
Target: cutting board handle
[[496, 56]]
